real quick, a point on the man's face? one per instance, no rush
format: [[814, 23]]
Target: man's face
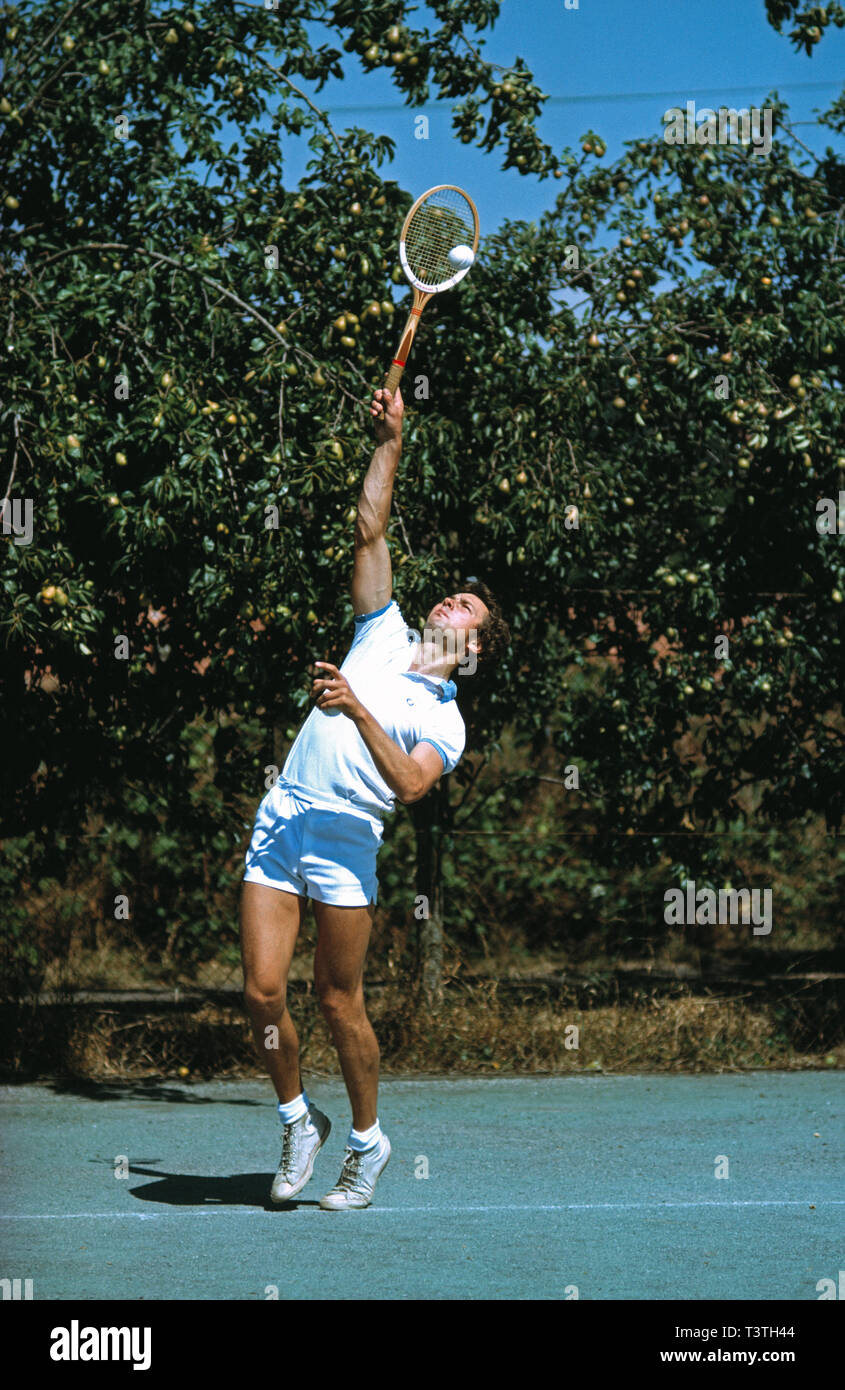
[[461, 617]]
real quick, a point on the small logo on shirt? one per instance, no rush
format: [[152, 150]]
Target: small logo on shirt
[[409, 701]]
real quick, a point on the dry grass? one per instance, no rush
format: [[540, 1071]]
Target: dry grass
[[475, 1033]]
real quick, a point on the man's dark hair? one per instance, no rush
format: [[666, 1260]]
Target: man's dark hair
[[494, 633]]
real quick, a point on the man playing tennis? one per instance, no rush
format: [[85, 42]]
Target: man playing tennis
[[385, 727]]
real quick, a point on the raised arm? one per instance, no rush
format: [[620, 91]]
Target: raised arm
[[372, 577]]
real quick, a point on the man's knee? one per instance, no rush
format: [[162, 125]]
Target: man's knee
[[264, 1002], [339, 1003]]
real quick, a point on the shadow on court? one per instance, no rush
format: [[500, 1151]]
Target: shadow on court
[[141, 1090], [199, 1190], [595, 1187], [189, 1190]]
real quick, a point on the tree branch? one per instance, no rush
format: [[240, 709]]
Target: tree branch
[[317, 112], [16, 424], [166, 260]]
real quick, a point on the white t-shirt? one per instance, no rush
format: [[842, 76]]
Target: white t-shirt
[[329, 760]]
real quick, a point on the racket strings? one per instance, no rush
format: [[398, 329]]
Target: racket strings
[[443, 221]]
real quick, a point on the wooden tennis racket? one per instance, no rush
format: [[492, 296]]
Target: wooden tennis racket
[[442, 221]]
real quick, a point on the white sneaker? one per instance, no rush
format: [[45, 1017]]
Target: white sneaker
[[301, 1142], [360, 1172]]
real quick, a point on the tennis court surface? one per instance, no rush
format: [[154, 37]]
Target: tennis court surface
[[600, 1187]]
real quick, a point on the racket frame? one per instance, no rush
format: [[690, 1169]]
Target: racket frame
[[423, 292]]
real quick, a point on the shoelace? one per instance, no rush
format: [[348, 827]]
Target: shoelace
[[350, 1173], [288, 1148]]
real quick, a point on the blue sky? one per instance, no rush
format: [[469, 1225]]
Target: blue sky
[[613, 66]]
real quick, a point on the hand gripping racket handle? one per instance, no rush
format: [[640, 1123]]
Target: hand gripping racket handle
[[394, 376]]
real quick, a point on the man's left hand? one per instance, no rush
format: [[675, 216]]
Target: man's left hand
[[332, 691]]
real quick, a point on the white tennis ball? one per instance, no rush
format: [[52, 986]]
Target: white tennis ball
[[461, 256]]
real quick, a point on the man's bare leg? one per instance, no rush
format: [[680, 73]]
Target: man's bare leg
[[270, 922], [343, 934]]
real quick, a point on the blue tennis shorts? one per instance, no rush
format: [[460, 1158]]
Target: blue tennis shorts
[[305, 848]]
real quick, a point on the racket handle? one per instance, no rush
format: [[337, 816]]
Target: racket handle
[[393, 378], [397, 367]]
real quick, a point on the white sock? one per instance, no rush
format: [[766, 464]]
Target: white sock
[[365, 1139], [293, 1109]]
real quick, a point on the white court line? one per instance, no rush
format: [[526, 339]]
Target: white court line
[[447, 1210]]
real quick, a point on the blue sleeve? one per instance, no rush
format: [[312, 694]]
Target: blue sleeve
[[426, 739], [365, 617]]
